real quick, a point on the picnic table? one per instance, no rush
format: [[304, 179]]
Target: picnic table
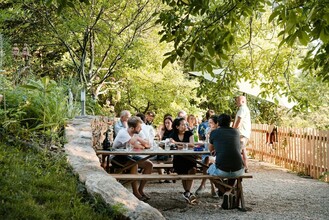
[[148, 153]]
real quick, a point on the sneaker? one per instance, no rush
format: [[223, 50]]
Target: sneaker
[[199, 191], [186, 196]]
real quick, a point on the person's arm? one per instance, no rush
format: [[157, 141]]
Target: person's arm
[[237, 122], [190, 143], [211, 146], [145, 143], [139, 143], [161, 133]]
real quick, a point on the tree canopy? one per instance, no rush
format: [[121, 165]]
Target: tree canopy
[[252, 40]]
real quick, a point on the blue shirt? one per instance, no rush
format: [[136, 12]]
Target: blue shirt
[[202, 130]]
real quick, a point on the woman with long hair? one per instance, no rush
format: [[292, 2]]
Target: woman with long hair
[[166, 129], [183, 164]]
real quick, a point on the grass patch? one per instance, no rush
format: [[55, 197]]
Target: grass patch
[[40, 185]]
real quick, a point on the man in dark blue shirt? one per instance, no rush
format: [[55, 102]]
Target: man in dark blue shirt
[[225, 141]]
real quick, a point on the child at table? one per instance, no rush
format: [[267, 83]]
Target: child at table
[[127, 137]]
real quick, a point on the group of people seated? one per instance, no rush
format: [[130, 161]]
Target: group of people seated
[[222, 141]]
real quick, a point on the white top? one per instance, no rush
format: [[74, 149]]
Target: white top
[[147, 132], [245, 124], [121, 139]]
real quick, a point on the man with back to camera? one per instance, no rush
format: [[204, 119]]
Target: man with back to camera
[[243, 123], [225, 142]]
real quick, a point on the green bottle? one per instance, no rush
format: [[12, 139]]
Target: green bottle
[[195, 135]]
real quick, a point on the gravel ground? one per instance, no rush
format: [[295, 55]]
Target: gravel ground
[[273, 193]]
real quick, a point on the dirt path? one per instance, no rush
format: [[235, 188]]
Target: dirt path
[[273, 193]]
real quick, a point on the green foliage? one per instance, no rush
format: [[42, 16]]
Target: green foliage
[[205, 33], [307, 21], [61, 4], [42, 186], [313, 95], [146, 86], [86, 42], [39, 106]]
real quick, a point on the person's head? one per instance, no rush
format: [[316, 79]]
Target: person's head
[[179, 125], [224, 120], [149, 117], [135, 124], [141, 116], [240, 100], [167, 122], [209, 113], [182, 114], [124, 115], [191, 120], [213, 121]]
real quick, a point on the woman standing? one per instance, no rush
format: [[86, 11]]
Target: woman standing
[[182, 164]]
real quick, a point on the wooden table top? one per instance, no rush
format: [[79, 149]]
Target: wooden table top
[[151, 152]]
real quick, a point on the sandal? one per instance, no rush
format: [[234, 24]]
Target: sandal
[[192, 199]]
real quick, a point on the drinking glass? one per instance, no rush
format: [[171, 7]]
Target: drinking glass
[[155, 146], [128, 147], [167, 146], [185, 146]]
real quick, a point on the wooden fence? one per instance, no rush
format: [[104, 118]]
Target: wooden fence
[[304, 151]]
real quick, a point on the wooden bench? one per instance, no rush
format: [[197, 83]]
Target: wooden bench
[[167, 166], [218, 180]]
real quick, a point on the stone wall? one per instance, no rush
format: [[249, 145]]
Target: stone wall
[[85, 163]]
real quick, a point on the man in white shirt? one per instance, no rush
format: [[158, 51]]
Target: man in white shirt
[[130, 137], [243, 123]]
